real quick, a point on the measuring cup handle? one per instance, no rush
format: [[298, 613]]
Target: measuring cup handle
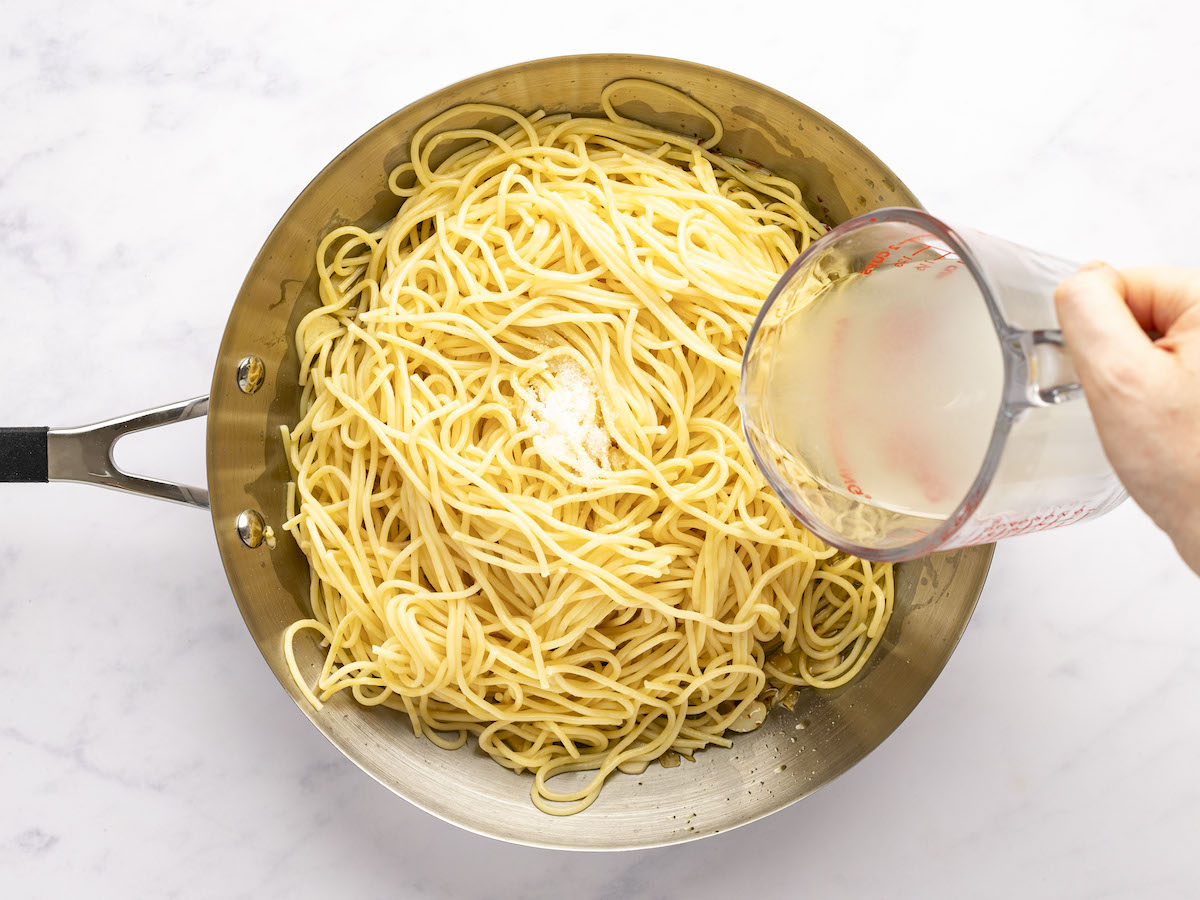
[[1052, 375]]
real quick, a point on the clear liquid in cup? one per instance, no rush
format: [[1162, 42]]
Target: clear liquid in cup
[[887, 365], [885, 387]]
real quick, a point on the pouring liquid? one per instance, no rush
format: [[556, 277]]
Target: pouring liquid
[[886, 395]]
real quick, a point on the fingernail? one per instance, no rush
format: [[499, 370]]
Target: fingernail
[[1094, 264]]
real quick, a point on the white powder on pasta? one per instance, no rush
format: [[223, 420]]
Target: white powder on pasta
[[565, 420]]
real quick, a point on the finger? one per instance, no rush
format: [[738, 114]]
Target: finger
[[1159, 296], [1097, 323]]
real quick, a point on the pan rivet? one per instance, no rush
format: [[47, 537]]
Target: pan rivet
[[251, 528], [250, 374]]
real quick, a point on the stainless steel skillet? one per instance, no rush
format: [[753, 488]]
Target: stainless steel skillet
[[254, 392]]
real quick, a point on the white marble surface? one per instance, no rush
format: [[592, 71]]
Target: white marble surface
[[146, 750]]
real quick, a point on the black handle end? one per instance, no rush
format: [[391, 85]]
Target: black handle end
[[23, 455]]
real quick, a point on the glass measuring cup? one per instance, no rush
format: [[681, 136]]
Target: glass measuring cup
[[906, 389]]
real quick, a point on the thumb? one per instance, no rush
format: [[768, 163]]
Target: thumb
[[1100, 330]]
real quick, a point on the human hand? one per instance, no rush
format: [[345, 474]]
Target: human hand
[[1144, 393]]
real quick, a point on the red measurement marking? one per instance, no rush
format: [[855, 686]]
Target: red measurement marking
[[918, 251], [913, 239], [925, 264], [994, 528], [836, 442], [875, 261]]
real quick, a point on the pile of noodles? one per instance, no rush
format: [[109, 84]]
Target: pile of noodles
[[520, 476]]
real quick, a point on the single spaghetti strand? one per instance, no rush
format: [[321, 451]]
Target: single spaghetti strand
[[519, 475]]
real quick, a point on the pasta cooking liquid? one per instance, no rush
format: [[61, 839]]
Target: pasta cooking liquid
[[887, 397]]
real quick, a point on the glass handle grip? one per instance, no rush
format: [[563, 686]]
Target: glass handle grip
[[1052, 375]]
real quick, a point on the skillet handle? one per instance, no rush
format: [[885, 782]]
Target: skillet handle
[[85, 454], [23, 454]]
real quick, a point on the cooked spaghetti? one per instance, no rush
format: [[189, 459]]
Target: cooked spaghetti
[[519, 472]]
